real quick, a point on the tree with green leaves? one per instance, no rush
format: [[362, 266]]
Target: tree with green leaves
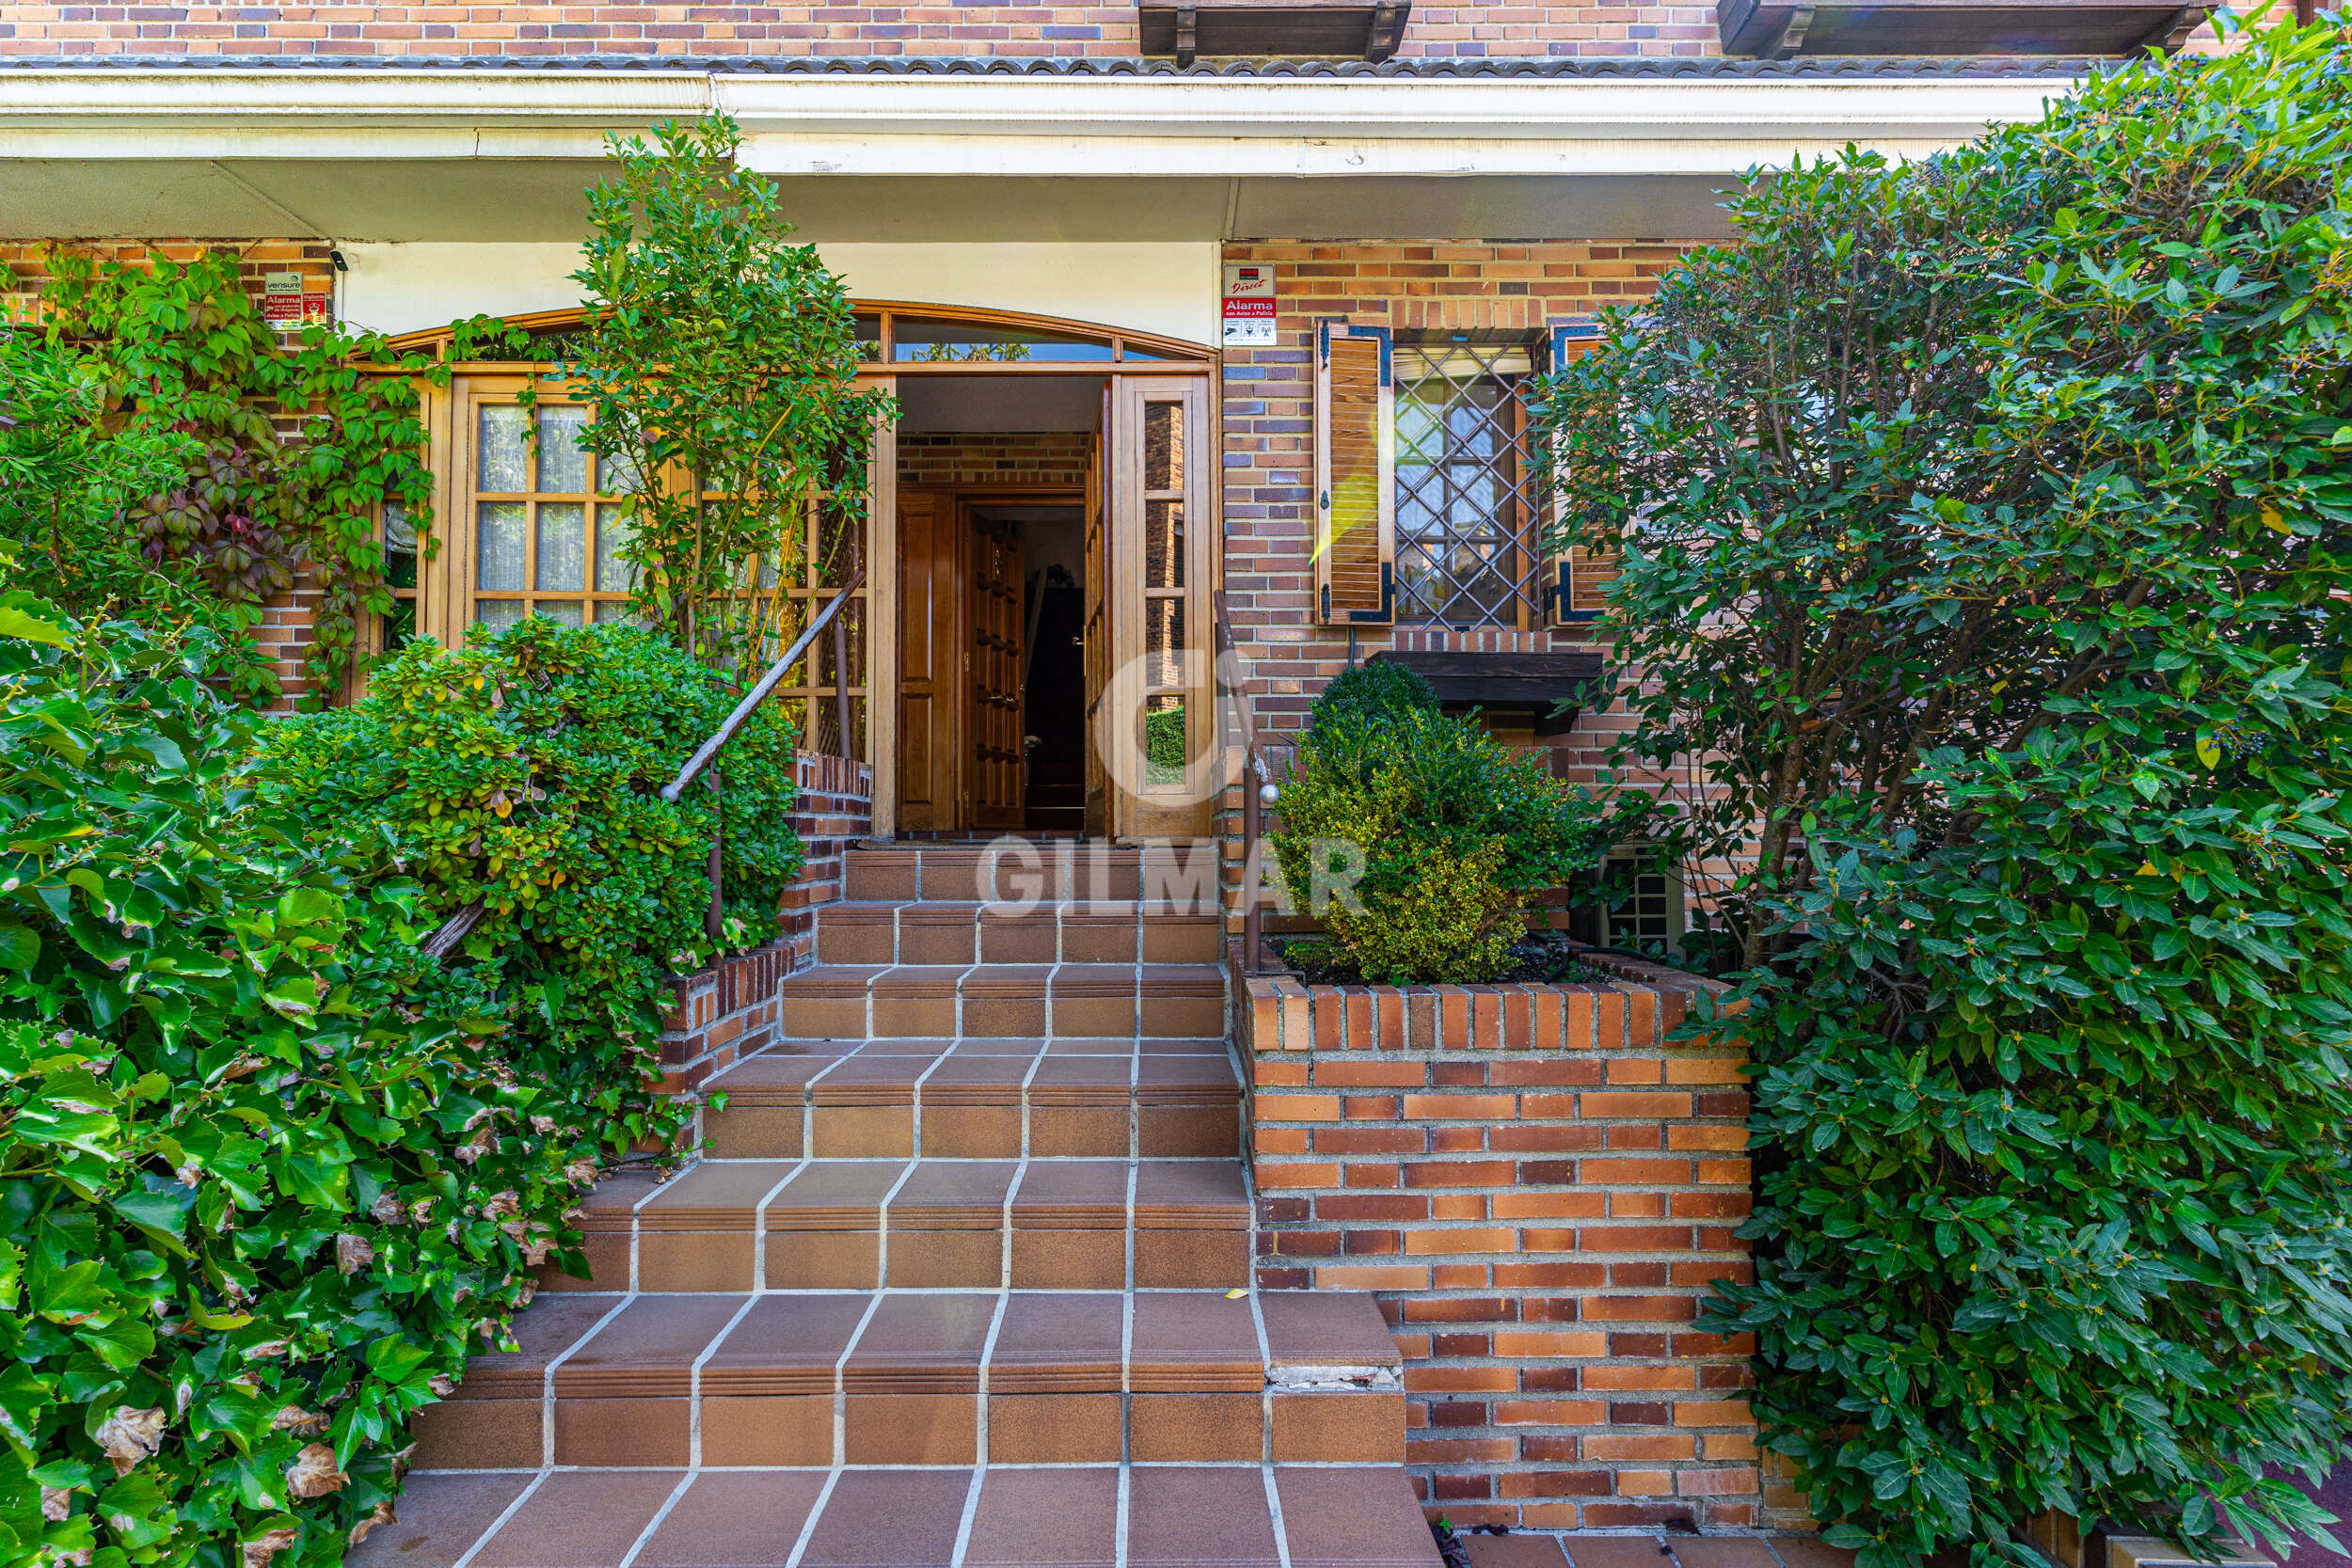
[[1985, 528], [718, 361]]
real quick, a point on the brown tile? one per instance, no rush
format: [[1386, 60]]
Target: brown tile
[[890, 1519], [755, 1131], [544, 1332], [1189, 1131], [953, 1195], [480, 1435], [1361, 1428], [1046, 1519], [1094, 1015], [1615, 1551], [917, 1344], [916, 999], [1201, 1017], [782, 1429], [854, 935], [971, 1132], [624, 1432], [647, 1350], [696, 1259], [1326, 1328], [945, 1259], [1194, 1344], [580, 1519], [1058, 1344], [1719, 1551], [439, 1518], [1018, 938], [1020, 1018], [716, 1195], [939, 933], [861, 1131], [783, 1345], [1089, 938], [1081, 1132], [735, 1521], [1191, 1260], [1068, 1259], [834, 1195], [1336, 1518], [1182, 940], [910, 1429], [1514, 1551], [1053, 1429], [885, 875], [823, 1259], [1196, 1428], [604, 1254], [821, 1017], [1183, 1518]]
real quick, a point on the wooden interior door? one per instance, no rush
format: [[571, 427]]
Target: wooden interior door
[[992, 769], [930, 643], [1097, 631]]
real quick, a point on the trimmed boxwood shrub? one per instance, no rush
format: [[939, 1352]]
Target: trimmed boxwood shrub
[[1450, 833], [256, 1200]]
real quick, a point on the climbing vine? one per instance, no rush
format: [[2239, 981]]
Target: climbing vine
[[294, 446]]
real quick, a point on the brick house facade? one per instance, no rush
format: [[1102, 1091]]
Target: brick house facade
[[1106, 288]]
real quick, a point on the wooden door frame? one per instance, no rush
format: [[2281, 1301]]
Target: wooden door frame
[[1142, 817]]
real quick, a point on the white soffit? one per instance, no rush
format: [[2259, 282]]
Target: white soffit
[[1168, 289], [491, 155]]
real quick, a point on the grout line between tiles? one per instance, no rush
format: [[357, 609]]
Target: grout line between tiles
[[759, 1223], [882, 1232], [841, 1393], [1265, 1396], [466, 1556], [1119, 1530], [1274, 1512], [646, 1536], [815, 1512]]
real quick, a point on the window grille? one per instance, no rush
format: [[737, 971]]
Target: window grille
[[1466, 505]]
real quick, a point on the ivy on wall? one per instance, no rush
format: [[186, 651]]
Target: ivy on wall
[[295, 446]]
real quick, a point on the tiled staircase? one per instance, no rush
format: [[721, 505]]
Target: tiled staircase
[[965, 1279]]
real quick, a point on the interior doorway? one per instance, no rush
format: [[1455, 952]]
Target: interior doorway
[[1053, 531], [994, 478]]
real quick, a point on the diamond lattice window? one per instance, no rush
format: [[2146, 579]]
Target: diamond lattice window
[[1465, 515]]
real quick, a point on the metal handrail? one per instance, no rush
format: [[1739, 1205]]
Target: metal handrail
[[713, 917], [1257, 793]]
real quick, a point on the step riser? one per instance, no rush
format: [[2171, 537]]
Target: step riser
[[943, 1014], [926, 934], [819, 1429], [1182, 877]]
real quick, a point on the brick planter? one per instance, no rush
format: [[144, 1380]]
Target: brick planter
[[719, 1015], [1539, 1191]]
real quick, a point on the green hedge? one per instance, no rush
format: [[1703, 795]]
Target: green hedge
[[255, 1204], [523, 773]]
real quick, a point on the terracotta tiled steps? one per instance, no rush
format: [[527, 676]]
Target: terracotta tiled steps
[[1004, 1001], [1121, 931], [979, 1100], [858, 1224], [1183, 874], [930, 1377], [1107, 1517]]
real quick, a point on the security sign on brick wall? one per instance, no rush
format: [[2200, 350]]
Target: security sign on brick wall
[[1248, 305]]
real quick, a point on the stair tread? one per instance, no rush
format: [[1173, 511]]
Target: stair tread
[[920, 1195], [1169, 1517], [953, 1072], [1150, 1342]]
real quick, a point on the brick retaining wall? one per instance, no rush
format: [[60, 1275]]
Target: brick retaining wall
[[722, 1014], [1540, 1192]]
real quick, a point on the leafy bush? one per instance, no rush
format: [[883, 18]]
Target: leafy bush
[[522, 774], [1374, 690], [255, 1204], [1451, 832], [2027, 469]]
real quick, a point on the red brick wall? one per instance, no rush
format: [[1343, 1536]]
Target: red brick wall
[[1048, 460], [38, 28], [284, 632], [1540, 1192]]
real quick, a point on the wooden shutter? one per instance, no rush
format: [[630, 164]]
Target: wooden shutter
[[1568, 571], [1355, 475]]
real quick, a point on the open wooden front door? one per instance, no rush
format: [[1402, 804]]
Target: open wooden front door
[[930, 679], [993, 759], [1158, 581]]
